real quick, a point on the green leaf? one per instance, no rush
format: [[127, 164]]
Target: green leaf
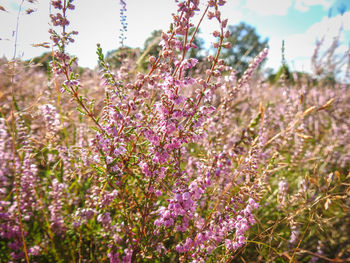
[[81, 111]]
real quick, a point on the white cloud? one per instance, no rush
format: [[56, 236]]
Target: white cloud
[[269, 7], [300, 47], [331, 25], [304, 5]]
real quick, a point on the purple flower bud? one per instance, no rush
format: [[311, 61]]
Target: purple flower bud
[[186, 196]]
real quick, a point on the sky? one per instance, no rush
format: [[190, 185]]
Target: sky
[[298, 22]]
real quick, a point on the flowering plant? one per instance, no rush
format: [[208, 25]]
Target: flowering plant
[[170, 165]]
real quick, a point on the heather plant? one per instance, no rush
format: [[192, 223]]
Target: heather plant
[[187, 162]]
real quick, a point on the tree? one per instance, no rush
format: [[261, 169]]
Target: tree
[[115, 57], [42, 61], [152, 47], [282, 73], [246, 44]]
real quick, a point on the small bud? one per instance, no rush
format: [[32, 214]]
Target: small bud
[[201, 82], [217, 73], [211, 3], [221, 68], [140, 76], [216, 33], [224, 23], [132, 104], [210, 15], [129, 86], [164, 36], [165, 53], [152, 59], [227, 45]]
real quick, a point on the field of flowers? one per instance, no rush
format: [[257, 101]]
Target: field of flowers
[[185, 162]]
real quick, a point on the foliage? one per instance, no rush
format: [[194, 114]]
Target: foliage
[[43, 61], [282, 73], [153, 48], [246, 45], [115, 58]]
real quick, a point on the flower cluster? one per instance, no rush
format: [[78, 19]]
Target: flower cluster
[[124, 23], [172, 163]]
